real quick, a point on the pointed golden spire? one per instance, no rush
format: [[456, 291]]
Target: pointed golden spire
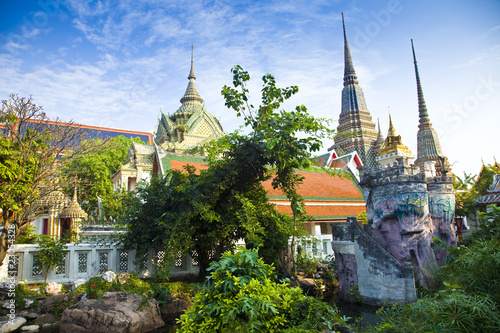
[[392, 130]]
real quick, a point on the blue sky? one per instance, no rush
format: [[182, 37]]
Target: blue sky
[[117, 63]]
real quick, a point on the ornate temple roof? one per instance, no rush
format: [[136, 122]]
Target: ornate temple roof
[[189, 126], [356, 130], [73, 209], [428, 145], [393, 144], [493, 196]]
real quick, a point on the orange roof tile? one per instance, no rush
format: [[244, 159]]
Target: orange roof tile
[[322, 185], [179, 165], [326, 211]]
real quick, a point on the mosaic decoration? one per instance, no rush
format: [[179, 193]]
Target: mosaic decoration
[[82, 262], [123, 261], [194, 261], [103, 261], [178, 260], [160, 257], [61, 268], [37, 266], [144, 262]]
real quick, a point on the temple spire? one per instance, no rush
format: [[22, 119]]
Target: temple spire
[[349, 73], [191, 95], [191, 73], [428, 145], [422, 108], [392, 130]]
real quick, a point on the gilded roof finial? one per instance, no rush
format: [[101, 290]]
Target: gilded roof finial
[[349, 73], [392, 130]]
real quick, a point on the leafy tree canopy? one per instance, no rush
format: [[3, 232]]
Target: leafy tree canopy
[[33, 151], [197, 210], [94, 174]]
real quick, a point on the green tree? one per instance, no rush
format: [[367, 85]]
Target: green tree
[[33, 151], [94, 174], [196, 212], [51, 252]]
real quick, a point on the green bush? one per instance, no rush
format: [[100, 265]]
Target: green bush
[[476, 269], [242, 296], [456, 312], [96, 286]]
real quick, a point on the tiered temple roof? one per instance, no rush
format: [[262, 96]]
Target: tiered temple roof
[[356, 130], [428, 145], [190, 125], [393, 147]]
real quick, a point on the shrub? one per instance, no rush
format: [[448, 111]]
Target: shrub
[[242, 296], [456, 312]]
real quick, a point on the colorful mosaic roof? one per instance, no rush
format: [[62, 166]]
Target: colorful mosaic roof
[[356, 130], [493, 195]]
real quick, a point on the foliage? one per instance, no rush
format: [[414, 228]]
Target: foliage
[[28, 235], [195, 211], [362, 217], [241, 296], [488, 226], [96, 286], [33, 151], [21, 293], [94, 174], [476, 269], [456, 312], [470, 187], [51, 252]]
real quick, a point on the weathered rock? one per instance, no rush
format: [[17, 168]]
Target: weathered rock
[[12, 325], [116, 312], [109, 276], [173, 310], [306, 284], [31, 315], [30, 328], [46, 318], [59, 301], [53, 288], [47, 304]]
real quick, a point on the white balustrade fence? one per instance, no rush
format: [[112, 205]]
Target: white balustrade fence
[[85, 261]]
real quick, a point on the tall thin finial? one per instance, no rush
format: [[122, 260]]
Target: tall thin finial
[[422, 108], [191, 73], [378, 120], [349, 73], [392, 130]]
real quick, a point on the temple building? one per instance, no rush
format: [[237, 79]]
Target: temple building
[[393, 148], [356, 130], [191, 125]]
